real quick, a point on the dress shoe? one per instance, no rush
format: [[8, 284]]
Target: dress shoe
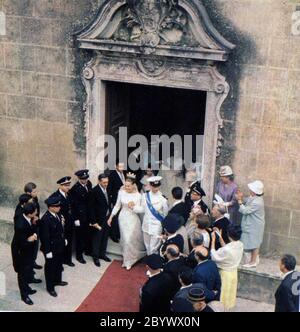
[[27, 300], [81, 260], [97, 262], [71, 264], [37, 267], [105, 259], [35, 281], [62, 284], [32, 291], [53, 293]]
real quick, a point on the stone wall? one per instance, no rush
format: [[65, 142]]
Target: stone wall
[[41, 96], [262, 128], [41, 125]]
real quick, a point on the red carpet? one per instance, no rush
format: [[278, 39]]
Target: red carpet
[[117, 291]]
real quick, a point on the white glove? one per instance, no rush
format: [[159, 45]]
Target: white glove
[[49, 255], [66, 242], [227, 215], [77, 223]]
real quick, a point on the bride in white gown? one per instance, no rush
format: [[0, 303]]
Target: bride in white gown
[[133, 248]]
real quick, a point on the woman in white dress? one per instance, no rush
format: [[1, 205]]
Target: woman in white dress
[[132, 243]]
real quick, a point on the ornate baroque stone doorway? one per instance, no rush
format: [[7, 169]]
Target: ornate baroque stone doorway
[[165, 43]]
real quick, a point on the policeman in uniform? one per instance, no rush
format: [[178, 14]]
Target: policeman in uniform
[[53, 244], [155, 207], [65, 200], [194, 198], [80, 196]]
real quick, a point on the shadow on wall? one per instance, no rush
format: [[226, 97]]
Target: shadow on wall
[[7, 196], [245, 52]]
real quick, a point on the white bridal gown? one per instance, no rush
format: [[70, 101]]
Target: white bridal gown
[[130, 225]]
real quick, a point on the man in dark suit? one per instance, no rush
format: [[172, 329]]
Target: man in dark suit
[[23, 200], [287, 295], [180, 301], [174, 266], [155, 295], [100, 209], [53, 244], [116, 181], [171, 224], [63, 194], [31, 189], [195, 198], [80, 198], [196, 241], [23, 250], [179, 207], [207, 272], [221, 223]]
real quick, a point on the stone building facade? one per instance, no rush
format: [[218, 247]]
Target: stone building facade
[[43, 101]]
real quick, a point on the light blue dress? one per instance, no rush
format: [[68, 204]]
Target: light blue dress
[[253, 222]]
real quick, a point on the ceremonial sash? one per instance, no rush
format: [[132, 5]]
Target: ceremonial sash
[[154, 212]]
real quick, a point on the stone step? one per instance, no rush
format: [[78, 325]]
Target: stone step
[[260, 284]]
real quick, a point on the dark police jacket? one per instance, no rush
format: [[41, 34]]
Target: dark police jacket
[[115, 183], [66, 210], [286, 301], [22, 250], [156, 294], [51, 234], [99, 207], [182, 210], [207, 273], [80, 199]]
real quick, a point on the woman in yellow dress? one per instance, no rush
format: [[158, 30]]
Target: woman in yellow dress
[[228, 258]]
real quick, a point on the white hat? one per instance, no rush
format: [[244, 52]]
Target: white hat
[[155, 181], [257, 187], [226, 171]]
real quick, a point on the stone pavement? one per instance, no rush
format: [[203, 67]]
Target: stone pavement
[[82, 279]]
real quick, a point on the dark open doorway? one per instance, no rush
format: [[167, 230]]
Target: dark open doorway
[[152, 110]]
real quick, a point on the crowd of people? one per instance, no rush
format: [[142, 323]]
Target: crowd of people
[[192, 253]]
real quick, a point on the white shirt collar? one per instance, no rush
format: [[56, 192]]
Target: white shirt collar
[[202, 262], [218, 219], [53, 214], [28, 219], [153, 275], [288, 273], [177, 202], [103, 189], [197, 202], [64, 194], [172, 236], [184, 287]]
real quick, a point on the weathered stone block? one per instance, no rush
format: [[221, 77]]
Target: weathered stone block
[[48, 8], [10, 81], [18, 7], [51, 110], [36, 84], [268, 166], [19, 57], [285, 245], [51, 60], [286, 196], [21, 107], [13, 30], [36, 31], [3, 105], [295, 225], [64, 88], [278, 221], [21, 154]]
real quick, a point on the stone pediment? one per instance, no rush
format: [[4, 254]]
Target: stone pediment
[[174, 28]]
